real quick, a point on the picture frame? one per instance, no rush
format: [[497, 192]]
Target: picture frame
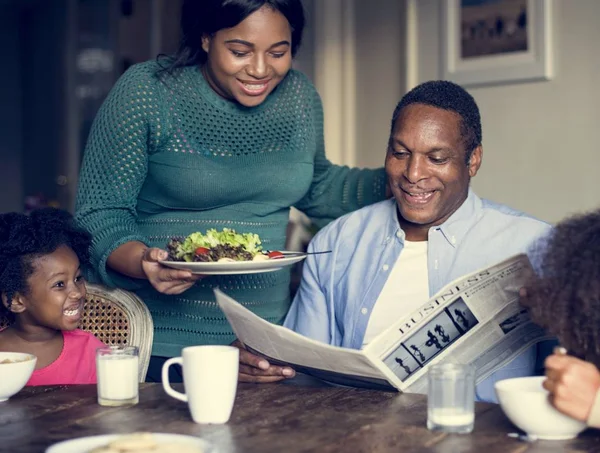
[[486, 42]]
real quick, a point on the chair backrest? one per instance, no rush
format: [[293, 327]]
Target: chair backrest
[[116, 317]]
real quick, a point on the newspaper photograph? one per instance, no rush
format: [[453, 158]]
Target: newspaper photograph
[[476, 319]]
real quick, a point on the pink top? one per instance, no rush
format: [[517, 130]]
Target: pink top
[[76, 363]]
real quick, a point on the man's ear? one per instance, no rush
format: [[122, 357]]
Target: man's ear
[[475, 161], [16, 305], [205, 43]]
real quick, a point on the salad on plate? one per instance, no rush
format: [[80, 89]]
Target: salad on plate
[[219, 246]]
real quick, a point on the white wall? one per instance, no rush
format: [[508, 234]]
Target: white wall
[[541, 146], [359, 71], [380, 82]]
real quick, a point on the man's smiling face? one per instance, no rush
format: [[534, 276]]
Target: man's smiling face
[[427, 168]]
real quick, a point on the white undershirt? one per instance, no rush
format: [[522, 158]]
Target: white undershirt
[[405, 290]]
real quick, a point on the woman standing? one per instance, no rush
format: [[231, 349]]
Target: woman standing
[[223, 134]]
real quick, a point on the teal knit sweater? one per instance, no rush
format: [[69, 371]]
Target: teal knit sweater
[[170, 157]]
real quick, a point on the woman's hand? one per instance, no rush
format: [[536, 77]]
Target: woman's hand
[[572, 384], [257, 370], [165, 279]]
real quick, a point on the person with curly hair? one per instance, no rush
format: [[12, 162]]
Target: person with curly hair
[[564, 298], [43, 293]]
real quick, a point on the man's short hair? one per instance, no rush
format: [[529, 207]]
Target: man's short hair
[[447, 96]]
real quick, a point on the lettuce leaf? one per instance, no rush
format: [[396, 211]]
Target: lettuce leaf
[[249, 241]]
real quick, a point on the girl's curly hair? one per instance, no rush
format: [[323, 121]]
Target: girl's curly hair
[[24, 238], [565, 297]]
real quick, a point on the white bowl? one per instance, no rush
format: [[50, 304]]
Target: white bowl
[[14, 375], [525, 402]]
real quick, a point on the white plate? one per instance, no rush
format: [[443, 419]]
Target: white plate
[[238, 267], [85, 444]]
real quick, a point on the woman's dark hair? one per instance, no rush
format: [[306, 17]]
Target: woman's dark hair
[[25, 238], [206, 17], [565, 297]]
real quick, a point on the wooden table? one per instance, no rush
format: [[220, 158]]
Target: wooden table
[[278, 418]]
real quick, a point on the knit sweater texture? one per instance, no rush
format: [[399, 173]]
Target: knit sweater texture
[[167, 156]]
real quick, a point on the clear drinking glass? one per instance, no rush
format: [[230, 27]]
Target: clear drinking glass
[[451, 398], [117, 372]]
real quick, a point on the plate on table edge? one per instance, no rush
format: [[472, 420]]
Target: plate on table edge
[[86, 444], [238, 267]]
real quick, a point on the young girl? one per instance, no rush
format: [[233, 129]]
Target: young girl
[[565, 299], [43, 293]]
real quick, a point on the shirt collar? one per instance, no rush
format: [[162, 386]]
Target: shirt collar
[[454, 229], [458, 224], [392, 228]]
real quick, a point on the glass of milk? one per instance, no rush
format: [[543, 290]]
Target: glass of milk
[[117, 372], [451, 398]]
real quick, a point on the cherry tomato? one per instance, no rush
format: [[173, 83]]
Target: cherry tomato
[[202, 251], [275, 255]]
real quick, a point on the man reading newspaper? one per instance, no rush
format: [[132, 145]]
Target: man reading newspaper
[[389, 258]]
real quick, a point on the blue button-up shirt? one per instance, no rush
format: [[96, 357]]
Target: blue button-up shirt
[[339, 289]]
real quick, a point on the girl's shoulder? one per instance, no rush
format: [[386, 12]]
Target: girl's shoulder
[[81, 338], [5, 340]]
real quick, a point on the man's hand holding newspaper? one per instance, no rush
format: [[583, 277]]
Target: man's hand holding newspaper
[[475, 319]]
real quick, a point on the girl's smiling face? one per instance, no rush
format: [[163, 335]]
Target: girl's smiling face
[[55, 292]]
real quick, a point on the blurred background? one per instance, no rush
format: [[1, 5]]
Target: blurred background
[[61, 57]]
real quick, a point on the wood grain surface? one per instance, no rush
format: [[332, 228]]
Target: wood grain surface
[[267, 418]]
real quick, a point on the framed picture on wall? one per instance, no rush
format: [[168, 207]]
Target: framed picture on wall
[[496, 41]]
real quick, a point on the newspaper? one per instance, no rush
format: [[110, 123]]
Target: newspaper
[[475, 319]]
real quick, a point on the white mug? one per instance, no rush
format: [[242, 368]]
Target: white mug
[[210, 375]]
